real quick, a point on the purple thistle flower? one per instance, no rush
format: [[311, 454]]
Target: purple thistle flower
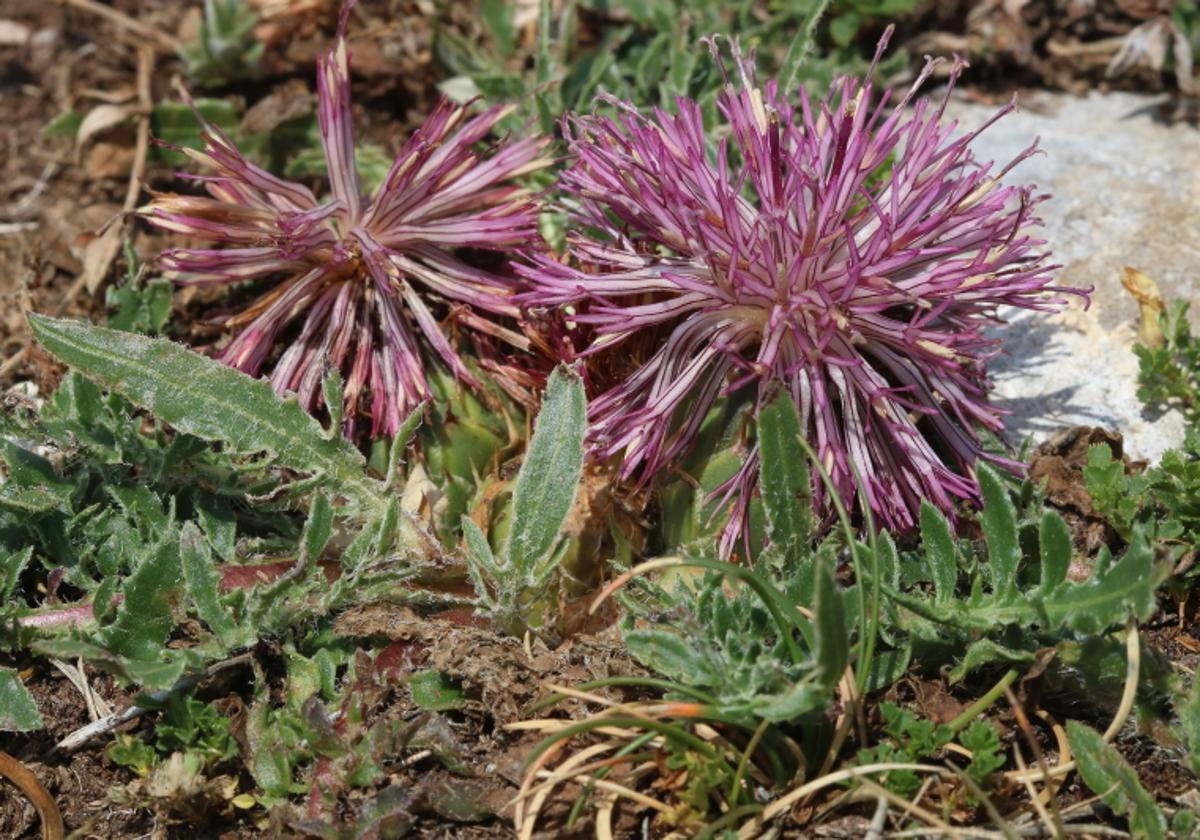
[[358, 269], [848, 252]]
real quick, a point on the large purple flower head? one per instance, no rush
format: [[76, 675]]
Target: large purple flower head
[[358, 273], [849, 251]]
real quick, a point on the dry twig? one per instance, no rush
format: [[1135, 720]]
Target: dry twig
[[35, 792]]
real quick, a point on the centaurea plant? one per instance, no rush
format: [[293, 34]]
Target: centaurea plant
[[359, 277], [849, 251]]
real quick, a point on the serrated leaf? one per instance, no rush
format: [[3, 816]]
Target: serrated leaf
[[18, 711], [1112, 779], [1112, 593], [204, 398], [999, 520], [203, 580], [31, 485], [12, 564], [940, 555], [801, 698], [158, 672], [479, 554], [784, 479], [987, 753], [548, 480], [146, 615], [984, 652], [303, 678]]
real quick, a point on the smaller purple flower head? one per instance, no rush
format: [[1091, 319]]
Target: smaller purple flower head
[[849, 251], [360, 278]]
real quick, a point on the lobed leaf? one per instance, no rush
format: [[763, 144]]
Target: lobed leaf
[[1111, 593], [203, 579], [1112, 779]]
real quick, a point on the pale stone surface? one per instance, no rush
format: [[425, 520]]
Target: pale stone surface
[[1126, 191]]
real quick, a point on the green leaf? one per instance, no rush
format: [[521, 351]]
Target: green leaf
[[784, 478], [981, 738], [433, 691], [204, 398], [1055, 549], [1112, 779], [18, 712], [549, 477], [318, 529], [800, 698], [12, 564], [832, 637], [65, 124], [176, 124], [888, 666], [984, 652], [498, 15], [1188, 709], [145, 618], [801, 46], [999, 520], [1112, 592], [938, 541], [155, 672], [203, 579], [143, 308], [218, 523], [844, 27], [32, 485], [668, 653]]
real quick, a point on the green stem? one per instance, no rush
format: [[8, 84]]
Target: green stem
[[977, 708], [745, 760]]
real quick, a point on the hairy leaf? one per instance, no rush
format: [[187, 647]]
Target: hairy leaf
[[202, 580], [204, 398], [999, 520], [1112, 779], [784, 478], [18, 712], [549, 477]]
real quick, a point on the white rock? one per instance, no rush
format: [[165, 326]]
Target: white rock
[[1126, 191]]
